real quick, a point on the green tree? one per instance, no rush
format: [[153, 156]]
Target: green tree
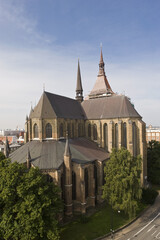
[[29, 204], [122, 188], [153, 162]]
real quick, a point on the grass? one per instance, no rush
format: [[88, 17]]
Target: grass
[[99, 224]]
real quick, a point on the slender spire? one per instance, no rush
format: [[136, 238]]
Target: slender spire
[[6, 148], [67, 151], [79, 89], [101, 65], [102, 87], [28, 158]]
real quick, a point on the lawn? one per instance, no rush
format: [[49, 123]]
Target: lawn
[[99, 224]]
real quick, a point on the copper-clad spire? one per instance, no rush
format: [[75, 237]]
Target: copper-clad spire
[[79, 89]]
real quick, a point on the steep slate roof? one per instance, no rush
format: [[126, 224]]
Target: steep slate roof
[[52, 106], [115, 106], [50, 154]]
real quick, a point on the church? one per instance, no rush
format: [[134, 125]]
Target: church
[[70, 140]]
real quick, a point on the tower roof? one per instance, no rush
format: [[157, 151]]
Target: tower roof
[[102, 86], [79, 82]]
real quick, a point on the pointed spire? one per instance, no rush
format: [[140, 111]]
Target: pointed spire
[[101, 65], [79, 89], [101, 57], [102, 87], [67, 151], [6, 148], [28, 159]]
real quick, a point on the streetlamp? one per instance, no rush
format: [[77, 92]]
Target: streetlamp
[[112, 230]]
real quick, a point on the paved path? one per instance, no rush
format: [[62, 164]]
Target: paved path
[[147, 227]]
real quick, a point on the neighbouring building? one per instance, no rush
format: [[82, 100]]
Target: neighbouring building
[[152, 133], [93, 126]]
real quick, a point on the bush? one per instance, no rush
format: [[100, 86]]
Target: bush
[[149, 195]]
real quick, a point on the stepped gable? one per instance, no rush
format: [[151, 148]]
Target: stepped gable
[[115, 106], [52, 106], [50, 154]]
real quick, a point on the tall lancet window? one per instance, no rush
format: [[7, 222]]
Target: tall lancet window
[[69, 129], [89, 130], [95, 178], [48, 130], [125, 135], [61, 130], [116, 136], [73, 185], [73, 130], [86, 182], [134, 138], [94, 132], [105, 132], [79, 130], [35, 130]]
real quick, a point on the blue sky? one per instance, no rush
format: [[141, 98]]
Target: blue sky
[[41, 41]]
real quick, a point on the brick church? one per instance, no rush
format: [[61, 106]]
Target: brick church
[[71, 139]]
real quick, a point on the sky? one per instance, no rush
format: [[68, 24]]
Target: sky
[[41, 41]]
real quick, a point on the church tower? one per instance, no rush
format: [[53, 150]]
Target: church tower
[[79, 89], [102, 86]]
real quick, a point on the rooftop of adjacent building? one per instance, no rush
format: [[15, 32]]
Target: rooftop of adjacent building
[[151, 128]]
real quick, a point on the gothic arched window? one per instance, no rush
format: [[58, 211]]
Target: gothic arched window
[[61, 130], [134, 139], [125, 135], [73, 130], [94, 132], [63, 186], [95, 177], [48, 130], [69, 129], [73, 185], [35, 130], [105, 131], [86, 182], [79, 130], [116, 136], [89, 130]]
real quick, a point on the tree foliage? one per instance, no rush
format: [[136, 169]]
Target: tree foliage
[[122, 188], [29, 204], [153, 162]]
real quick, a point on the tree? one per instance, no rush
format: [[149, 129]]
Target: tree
[[153, 162], [122, 188], [29, 204]]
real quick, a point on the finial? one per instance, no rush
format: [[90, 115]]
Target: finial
[[101, 45], [43, 87], [67, 151], [28, 158]]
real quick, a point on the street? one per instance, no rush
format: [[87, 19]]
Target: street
[[147, 227]]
